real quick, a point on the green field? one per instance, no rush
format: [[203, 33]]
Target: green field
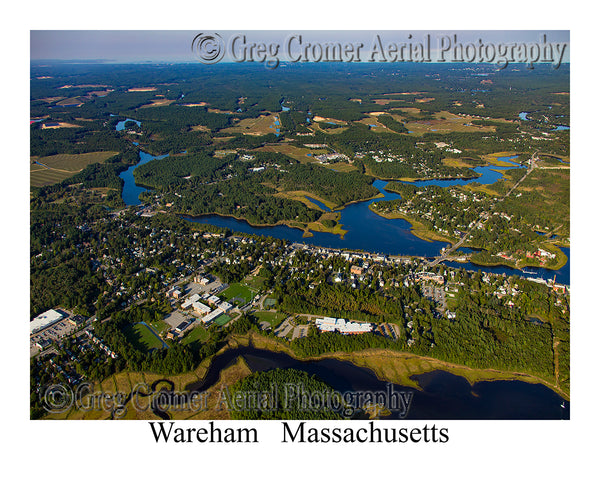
[[241, 293], [56, 168], [222, 320], [255, 282], [199, 334], [274, 318], [142, 338]]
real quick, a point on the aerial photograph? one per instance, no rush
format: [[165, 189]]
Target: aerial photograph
[[299, 225]]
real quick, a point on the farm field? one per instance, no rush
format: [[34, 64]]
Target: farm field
[[56, 168], [299, 153], [254, 126]]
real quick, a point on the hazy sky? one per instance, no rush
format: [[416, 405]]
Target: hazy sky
[[167, 45]]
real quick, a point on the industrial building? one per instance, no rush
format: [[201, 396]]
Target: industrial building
[[44, 320]]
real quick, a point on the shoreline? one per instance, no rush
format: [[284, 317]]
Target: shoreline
[[417, 364]]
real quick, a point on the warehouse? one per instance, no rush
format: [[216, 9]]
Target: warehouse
[[44, 320]]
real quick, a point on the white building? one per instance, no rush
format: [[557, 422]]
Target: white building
[[44, 320], [330, 324], [201, 308], [211, 316], [225, 307], [190, 301]]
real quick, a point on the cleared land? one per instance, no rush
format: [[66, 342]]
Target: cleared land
[[56, 168], [262, 125], [273, 318], [298, 153], [142, 338], [198, 334], [161, 102]]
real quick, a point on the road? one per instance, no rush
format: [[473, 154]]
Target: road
[[484, 215]]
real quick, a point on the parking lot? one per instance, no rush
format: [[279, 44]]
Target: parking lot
[[52, 333]]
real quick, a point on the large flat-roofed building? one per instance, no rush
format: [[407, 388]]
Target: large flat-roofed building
[[330, 324], [211, 316], [44, 320], [190, 301], [201, 308], [214, 300], [225, 307]]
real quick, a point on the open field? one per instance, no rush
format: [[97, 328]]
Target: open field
[[300, 195], [200, 128], [159, 102], [455, 162], [298, 153], [199, 334], [255, 282], [254, 126], [238, 291], [341, 167], [142, 338], [492, 158], [445, 122], [56, 168], [59, 125], [374, 125], [274, 318]]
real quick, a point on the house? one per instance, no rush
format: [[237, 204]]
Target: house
[[355, 270]]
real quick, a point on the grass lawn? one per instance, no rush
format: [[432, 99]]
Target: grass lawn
[[199, 334], [142, 338], [255, 282], [274, 318], [242, 293]]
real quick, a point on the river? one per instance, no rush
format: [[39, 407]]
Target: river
[[443, 395], [366, 230], [131, 191]]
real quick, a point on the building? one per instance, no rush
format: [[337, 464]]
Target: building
[[200, 308], [201, 280], [213, 300], [355, 270], [208, 319], [190, 301], [174, 293], [182, 326], [330, 324], [77, 320], [225, 307], [44, 320]]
